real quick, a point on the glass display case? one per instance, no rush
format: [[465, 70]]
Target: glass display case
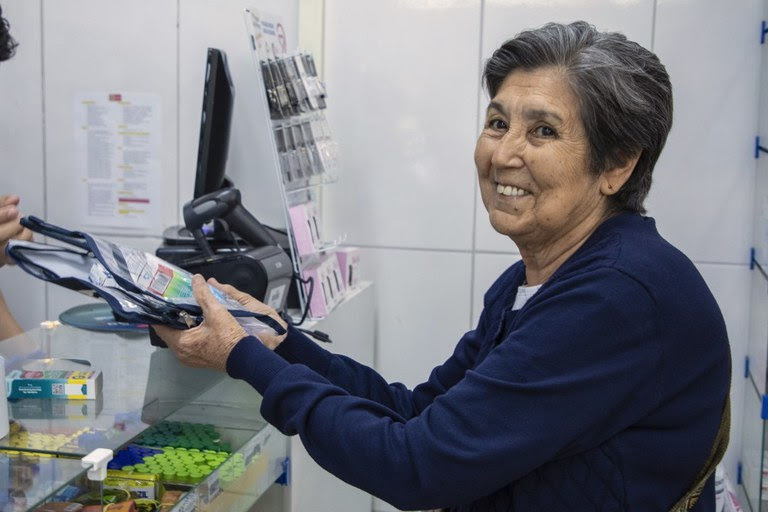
[[29, 479], [190, 438]]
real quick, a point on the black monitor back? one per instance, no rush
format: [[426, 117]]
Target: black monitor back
[[215, 124]]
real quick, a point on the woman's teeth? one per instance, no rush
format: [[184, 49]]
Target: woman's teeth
[[510, 190]]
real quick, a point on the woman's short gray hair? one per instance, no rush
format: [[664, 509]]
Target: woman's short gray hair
[[623, 89]]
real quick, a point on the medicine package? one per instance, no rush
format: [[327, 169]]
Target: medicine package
[[138, 286]]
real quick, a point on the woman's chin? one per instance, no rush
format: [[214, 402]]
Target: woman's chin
[[505, 224]]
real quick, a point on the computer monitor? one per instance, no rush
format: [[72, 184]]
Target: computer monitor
[[215, 123]]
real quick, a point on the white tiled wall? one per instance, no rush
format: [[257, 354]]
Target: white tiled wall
[[402, 77], [420, 328], [402, 85]]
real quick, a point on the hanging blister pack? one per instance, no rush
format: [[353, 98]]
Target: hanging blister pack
[[138, 286], [307, 153]]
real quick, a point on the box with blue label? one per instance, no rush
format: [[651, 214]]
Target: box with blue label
[[40, 380]]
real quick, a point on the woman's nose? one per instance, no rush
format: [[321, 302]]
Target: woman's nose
[[508, 151]]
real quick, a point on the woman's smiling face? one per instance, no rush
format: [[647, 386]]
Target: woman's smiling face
[[532, 160]]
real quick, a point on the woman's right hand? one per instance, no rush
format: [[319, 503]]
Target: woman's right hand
[[270, 340]]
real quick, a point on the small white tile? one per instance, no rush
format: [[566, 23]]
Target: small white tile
[[423, 304], [730, 284], [403, 107]]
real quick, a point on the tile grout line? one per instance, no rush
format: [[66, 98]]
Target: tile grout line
[[473, 259], [46, 287]]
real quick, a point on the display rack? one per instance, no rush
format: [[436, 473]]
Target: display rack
[[306, 158]]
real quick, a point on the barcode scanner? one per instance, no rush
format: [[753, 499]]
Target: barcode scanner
[[224, 204]]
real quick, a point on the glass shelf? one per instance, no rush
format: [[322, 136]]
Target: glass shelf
[[142, 387]]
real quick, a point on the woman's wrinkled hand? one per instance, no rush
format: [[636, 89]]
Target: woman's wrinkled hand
[[10, 226], [207, 345], [268, 338]]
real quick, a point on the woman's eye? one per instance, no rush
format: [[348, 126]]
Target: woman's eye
[[497, 124], [544, 131]]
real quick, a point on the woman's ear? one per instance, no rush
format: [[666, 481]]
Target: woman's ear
[[613, 179]]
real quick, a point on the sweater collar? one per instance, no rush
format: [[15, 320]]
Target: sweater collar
[[619, 222]]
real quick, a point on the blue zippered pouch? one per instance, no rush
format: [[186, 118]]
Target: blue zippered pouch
[[138, 286]]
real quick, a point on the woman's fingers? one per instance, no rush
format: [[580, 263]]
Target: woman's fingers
[[248, 301], [204, 297], [241, 297], [8, 200], [9, 223], [25, 234]]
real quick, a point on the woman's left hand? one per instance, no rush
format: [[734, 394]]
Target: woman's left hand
[[208, 345]]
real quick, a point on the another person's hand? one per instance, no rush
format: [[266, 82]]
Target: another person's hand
[[269, 339], [9, 225]]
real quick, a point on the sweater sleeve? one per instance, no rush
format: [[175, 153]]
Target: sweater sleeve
[[360, 380], [577, 368]]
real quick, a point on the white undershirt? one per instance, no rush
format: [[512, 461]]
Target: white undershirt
[[523, 294]]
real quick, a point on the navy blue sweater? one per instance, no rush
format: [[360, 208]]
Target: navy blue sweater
[[604, 392]]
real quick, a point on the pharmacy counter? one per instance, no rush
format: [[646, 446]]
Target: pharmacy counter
[[188, 436], [192, 431]]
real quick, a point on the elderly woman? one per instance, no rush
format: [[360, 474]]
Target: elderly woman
[[597, 377]]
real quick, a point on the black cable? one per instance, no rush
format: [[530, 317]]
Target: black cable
[[311, 283], [205, 247], [232, 235], [318, 335]]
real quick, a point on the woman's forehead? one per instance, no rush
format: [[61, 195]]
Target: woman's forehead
[[536, 93], [548, 81]]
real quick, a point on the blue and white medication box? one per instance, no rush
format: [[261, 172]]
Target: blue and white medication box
[[66, 384]]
